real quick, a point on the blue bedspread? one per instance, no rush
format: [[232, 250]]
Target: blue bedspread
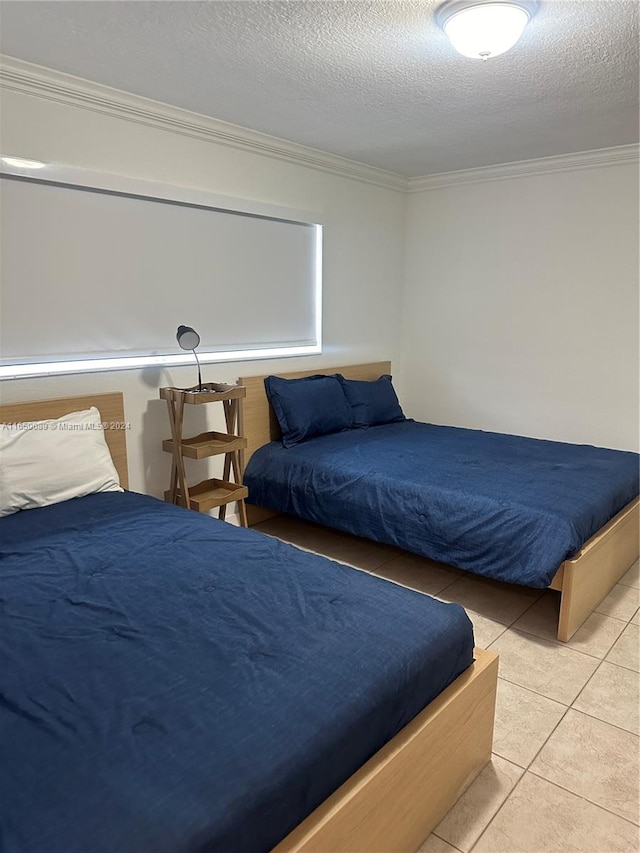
[[508, 507], [171, 683]]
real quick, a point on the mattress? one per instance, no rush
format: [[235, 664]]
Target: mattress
[[169, 682], [504, 506]]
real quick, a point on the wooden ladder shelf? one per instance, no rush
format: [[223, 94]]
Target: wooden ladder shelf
[[213, 492]]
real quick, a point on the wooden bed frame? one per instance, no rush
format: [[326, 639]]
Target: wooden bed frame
[[393, 801], [583, 581]]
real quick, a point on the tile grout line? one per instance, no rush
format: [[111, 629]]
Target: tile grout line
[[584, 686], [535, 692], [567, 708], [544, 743], [621, 665], [559, 645], [445, 840], [593, 716], [502, 805], [606, 722], [622, 619], [544, 695], [526, 610], [557, 785], [572, 648], [584, 799], [550, 735]]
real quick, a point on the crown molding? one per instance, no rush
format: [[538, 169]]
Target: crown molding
[[616, 156], [45, 83], [27, 78]]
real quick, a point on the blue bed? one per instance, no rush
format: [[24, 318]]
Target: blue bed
[[503, 506], [171, 683]]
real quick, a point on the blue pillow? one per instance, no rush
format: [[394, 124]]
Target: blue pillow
[[372, 402], [314, 405]]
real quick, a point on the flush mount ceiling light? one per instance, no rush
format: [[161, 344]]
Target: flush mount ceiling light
[[481, 29]]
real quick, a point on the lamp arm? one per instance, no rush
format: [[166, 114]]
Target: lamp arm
[[199, 374]]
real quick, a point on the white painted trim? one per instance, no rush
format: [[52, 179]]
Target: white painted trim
[[30, 79], [48, 84], [616, 156]]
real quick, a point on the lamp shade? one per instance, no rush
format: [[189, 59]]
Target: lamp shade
[[187, 337], [481, 30]]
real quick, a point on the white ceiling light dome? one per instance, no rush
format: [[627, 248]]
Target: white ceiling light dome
[[481, 29]]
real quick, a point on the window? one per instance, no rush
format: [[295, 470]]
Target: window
[[99, 270]]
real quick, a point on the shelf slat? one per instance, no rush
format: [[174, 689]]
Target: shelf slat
[[210, 494], [207, 444]]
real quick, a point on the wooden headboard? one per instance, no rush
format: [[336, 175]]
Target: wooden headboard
[[259, 422], [110, 406]]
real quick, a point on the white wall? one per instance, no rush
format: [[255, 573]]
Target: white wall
[[363, 251], [521, 306]]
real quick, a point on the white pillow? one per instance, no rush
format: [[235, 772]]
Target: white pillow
[[46, 462]]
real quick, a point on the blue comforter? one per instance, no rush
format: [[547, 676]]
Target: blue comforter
[[508, 507], [171, 683]]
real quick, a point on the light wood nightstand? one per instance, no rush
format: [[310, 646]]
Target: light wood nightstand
[[211, 493]]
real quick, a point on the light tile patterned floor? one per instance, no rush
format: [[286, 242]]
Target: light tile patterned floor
[[565, 772]]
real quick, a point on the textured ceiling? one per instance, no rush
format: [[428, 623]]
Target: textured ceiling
[[375, 82]]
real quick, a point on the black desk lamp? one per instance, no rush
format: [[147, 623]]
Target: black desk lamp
[[188, 338]]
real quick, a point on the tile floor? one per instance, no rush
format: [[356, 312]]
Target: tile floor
[[564, 777]]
